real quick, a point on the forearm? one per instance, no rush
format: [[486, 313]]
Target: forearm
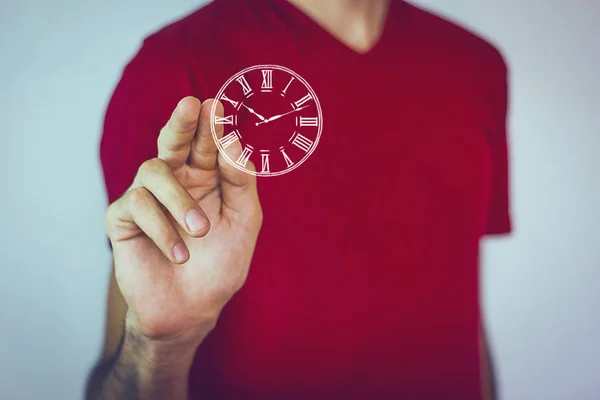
[[145, 369]]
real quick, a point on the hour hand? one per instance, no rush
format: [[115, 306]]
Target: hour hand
[[254, 112]]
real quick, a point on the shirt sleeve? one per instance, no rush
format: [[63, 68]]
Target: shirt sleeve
[[499, 219], [150, 86]]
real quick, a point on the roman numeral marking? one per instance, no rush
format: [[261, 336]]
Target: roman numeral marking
[[245, 86], [302, 142], [228, 120], [303, 100], [243, 159], [265, 162], [267, 82], [233, 103], [288, 85], [229, 139], [309, 121], [288, 161]]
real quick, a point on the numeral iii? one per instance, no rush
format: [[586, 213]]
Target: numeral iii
[[309, 121]]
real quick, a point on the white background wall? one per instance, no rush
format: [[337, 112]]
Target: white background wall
[[59, 62]]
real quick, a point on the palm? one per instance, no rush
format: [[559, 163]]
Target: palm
[[169, 298]]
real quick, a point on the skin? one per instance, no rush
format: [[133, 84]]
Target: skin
[[177, 269], [169, 281]]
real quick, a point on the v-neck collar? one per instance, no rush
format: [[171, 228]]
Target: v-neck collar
[[304, 25]]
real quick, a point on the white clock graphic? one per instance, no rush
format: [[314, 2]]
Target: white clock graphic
[[274, 114]]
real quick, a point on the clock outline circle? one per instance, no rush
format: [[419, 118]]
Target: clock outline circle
[[310, 91]]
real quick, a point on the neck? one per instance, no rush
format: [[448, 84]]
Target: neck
[[356, 23]]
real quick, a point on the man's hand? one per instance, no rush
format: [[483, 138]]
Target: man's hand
[[184, 233]]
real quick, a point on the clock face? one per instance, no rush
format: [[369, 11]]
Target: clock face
[[274, 114]]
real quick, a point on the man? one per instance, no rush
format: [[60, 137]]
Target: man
[[363, 281]]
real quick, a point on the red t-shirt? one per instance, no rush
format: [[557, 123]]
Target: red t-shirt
[[364, 282]]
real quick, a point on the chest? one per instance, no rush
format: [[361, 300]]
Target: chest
[[400, 155]]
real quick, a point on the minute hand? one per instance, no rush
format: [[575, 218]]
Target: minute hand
[[273, 118]]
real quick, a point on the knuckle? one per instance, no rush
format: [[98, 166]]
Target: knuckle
[[144, 168], [151, 167], [139, 197]]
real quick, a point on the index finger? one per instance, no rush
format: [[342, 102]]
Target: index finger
[[175, 138]]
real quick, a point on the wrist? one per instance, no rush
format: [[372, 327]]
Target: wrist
[[151, 368], [174, 352]]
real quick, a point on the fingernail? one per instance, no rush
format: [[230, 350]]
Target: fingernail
[[180, 252], [195, 221]]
